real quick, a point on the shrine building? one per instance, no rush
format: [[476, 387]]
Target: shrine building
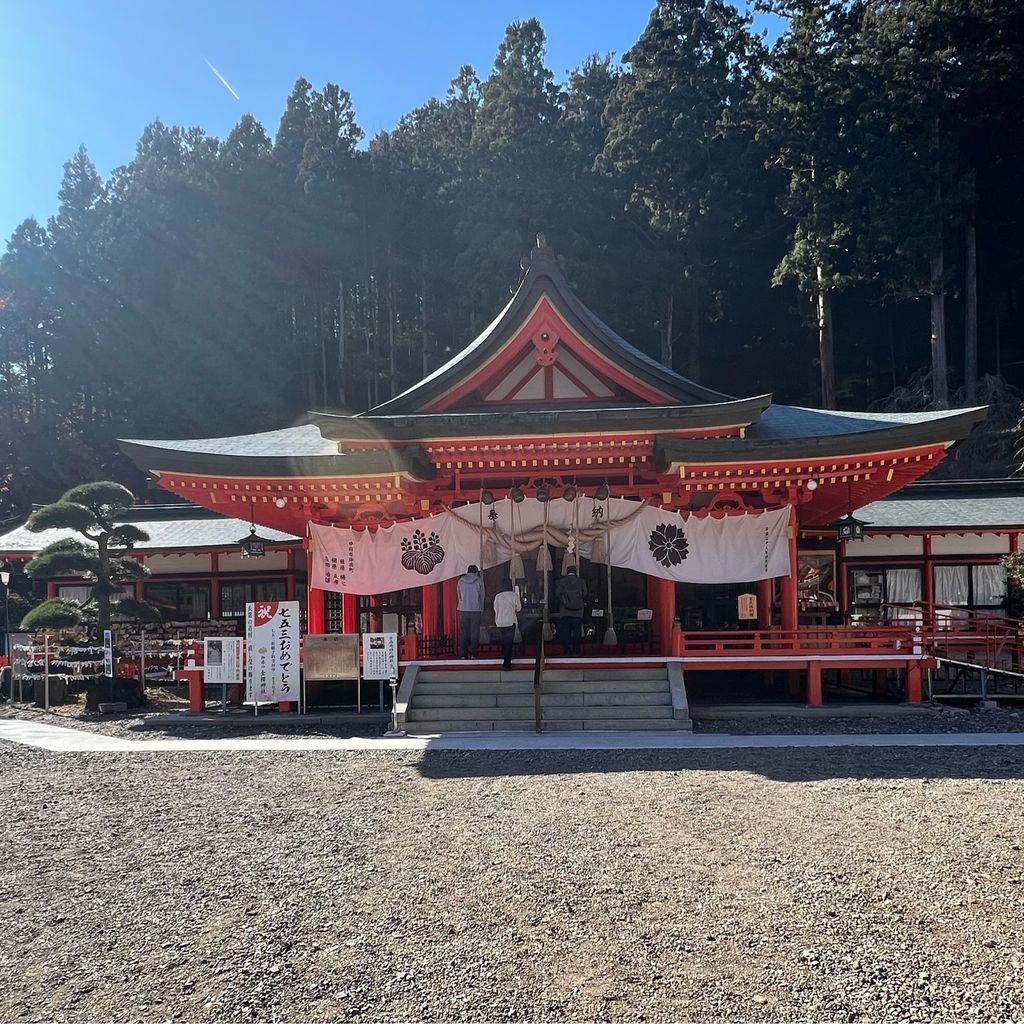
[[551, 416]]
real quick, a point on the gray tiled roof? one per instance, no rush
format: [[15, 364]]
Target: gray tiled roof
[[163, 534], [966, 511], [294, 442], [783, 421]]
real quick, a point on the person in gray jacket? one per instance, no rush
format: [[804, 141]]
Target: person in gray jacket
[[572, 595], [471, 604]]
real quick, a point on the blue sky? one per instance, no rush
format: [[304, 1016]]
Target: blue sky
[[96, 72]]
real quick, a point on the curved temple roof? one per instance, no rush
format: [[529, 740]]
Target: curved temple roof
[[688, 423], [544, 278]]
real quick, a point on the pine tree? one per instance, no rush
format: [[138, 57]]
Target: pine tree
[[89, 510]]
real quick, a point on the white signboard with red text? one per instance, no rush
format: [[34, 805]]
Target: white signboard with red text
[[272, 639]]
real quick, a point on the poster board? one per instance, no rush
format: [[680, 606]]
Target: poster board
[[108, 652], [380, 655], [222, 660], [746, 607], [272, 638], [329, 656]]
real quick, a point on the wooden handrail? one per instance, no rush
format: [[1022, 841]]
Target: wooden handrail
[[538, 672]]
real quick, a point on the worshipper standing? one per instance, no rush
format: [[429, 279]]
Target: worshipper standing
[[571, 592], [506, 604], [471, 603]]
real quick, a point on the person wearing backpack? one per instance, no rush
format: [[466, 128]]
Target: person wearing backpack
[[571, 592]]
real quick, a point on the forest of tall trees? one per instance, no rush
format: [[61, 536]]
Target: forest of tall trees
[[835, 218]]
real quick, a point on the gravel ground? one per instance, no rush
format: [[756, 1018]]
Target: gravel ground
[[785, 885], [939, 719]]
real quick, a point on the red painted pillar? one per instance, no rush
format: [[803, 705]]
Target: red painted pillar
[[450, 607], [315, 616], [661, 597], [349, 613], [914, 683], [764, 604], [51, 589], [814, 683], [431, 606], [788, 619], [842, 583], [928, 582]]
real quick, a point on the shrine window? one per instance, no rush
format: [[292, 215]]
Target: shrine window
[[234, 596], [180, 602]]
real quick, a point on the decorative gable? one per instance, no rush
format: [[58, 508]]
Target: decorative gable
[[546, 361]]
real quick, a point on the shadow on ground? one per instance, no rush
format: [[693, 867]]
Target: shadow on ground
[[781, 764]]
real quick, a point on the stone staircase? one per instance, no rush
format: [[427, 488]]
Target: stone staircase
[[434, 700]]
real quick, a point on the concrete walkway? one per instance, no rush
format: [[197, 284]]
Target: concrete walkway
[[58, 738]]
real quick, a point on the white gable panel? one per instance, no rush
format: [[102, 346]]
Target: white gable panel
[[562, 387], [534, 388], [583, 374], [512, 380]]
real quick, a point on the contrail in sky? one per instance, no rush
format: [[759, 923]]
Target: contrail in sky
[[223, 80]]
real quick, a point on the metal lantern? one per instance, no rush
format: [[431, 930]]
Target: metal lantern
[[253, 546], [850, 527]]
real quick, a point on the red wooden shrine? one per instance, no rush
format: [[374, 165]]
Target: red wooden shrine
[[549, 396]]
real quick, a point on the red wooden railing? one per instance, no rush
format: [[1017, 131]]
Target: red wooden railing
[[962, 635], [806, 640]]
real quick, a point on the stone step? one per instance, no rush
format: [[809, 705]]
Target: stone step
[[503, 686], [461, 700], [551, 673], [633, 698], [627, 672], [449, 725], [607, 686], [638, 723], [615, 724], [473, 672], [416, 714], [478, 686], [601, 714]]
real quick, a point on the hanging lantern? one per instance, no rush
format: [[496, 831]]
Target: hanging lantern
[[850, 527], [253, 546]]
